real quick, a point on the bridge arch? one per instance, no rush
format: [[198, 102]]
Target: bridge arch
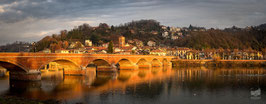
[[13, 66], [156, 62], [143, 63], [125, 64], [100, 64], [65, 64]]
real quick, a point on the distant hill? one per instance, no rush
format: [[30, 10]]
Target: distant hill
[[145, 30], [261, 27], [16, 47]]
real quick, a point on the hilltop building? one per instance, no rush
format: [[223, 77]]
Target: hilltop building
[[122, 41]]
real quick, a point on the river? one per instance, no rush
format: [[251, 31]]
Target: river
[[146, 86]]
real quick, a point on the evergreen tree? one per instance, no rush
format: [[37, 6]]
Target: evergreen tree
[[110, 47]]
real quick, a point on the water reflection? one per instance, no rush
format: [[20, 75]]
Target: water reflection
[[155, 85], [3, 72]]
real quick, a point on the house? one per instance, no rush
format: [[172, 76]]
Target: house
[[101, 52], [165, 34], [164, 27], [154, 32], [259, 56], [245, 55], [89, 51], [151, 43], [158, 52], [181, 52], [175, 29], [189, 55], [127, 45], [193, 54], [88, 43], [47, 50], [173, 37], [105, 45], [61, 51], [78, 51], [128, 52], [138, 43], [116, 49], [179, 33], [75, 45]]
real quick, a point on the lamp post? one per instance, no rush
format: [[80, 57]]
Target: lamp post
[[34, 48]]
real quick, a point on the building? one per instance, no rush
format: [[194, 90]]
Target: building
[[181, 52], [158, 52], [174, 37], [127, 45], [46, 50], [151, 43], [62, 51], [175, 29], [179, 33], [88, 43], [105, 45], [76, 45], [189, 55], [121, 41], [165, 34]]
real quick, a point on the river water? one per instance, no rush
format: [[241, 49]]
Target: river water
[[146, 86]]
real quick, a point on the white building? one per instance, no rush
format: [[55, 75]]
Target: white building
[[62, 51], [46, 50], [173, 37], [88, 43], [165, 34], [175, 29], [151, 43]]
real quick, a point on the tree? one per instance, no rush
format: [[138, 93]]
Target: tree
[[65, 44], [110, 47], [112, 28], [95, 38]]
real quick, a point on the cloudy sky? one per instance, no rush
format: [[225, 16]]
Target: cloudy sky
[[30, 20]]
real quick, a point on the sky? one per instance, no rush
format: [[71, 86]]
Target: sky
[[31, 20]]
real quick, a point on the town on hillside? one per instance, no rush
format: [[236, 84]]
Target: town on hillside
[[137, 47]]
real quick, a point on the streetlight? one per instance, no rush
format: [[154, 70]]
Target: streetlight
[[34, 48]]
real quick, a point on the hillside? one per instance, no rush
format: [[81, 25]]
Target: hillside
[[145, 30]]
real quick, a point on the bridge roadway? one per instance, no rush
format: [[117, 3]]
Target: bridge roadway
[[27, 66]]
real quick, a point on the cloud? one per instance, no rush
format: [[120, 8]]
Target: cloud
[[30, 20]]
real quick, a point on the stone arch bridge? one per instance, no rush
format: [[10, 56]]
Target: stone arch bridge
[[27, 66]]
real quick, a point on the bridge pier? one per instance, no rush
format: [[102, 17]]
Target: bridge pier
[[80, 71], [168, 64], [25, 76]]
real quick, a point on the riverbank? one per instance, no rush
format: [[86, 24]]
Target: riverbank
[[219, 63], [16, 100]]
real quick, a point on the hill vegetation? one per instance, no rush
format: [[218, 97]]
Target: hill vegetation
[[146, 30]]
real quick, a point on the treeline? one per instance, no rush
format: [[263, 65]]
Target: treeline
[[146, 30], [16, 47], [143, 30], [214, 39]]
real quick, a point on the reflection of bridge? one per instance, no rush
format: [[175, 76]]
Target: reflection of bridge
[[69, 87], [26, 66]]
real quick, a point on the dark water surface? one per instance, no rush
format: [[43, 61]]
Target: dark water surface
[[146, 86]]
